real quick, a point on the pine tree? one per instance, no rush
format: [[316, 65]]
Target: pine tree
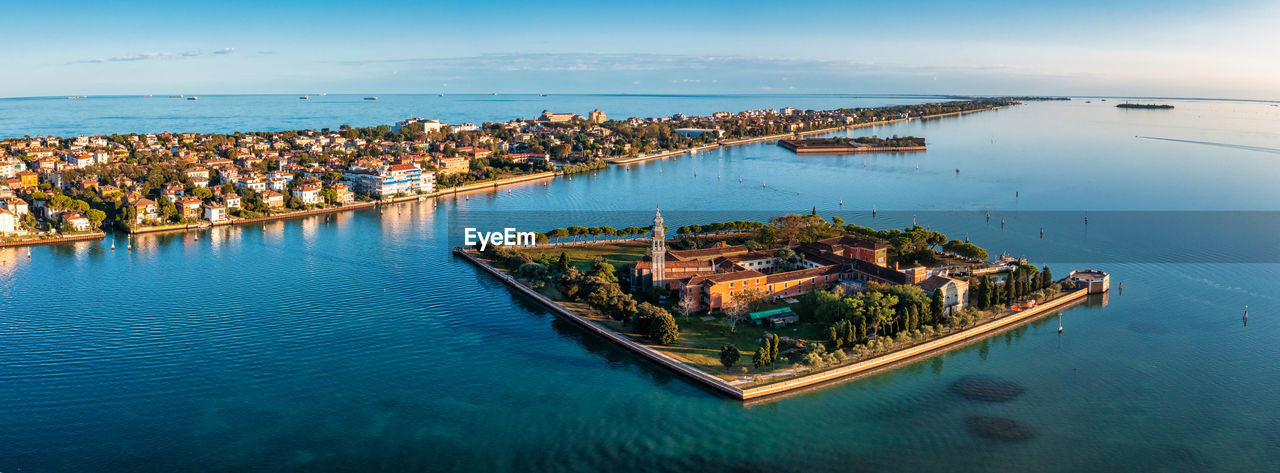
[[563, 263], [849, 337], [760, 358], [833, 336], [984, 293], [862, 330], [936, 306], [773, 348], [1047, 280]]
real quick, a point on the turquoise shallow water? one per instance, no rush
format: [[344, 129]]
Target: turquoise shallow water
[[357, 343]]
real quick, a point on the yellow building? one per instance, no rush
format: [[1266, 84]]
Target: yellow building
[[29, 179]]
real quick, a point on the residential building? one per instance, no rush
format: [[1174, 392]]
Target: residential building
[[273, 199], [15, 205], [189, 207], [8, 222], [145, 209], [215, 213], [309, 194], [76, 221], [28, 179]]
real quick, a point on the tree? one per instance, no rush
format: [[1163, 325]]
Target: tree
[[95, 216], [535, 273], [1046, 279], [562, 264], [761, 357], [878, 307], [936, 306], [688, 304], [167, 209], [729, 356], [742, 305], [561, 151], [786, 259], [569, 283], [202, 193], [664, 329], [603, 270], [984, 292], [773, 347]]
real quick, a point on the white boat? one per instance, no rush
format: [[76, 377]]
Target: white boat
[[304, 97], [193, 98]]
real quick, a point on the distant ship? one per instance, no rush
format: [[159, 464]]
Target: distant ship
[[175, 96], [193, 98], [322, 94], [442, 94], [75, 97], [542, 95], [495, 93], [147, 96], [304, 97], [371, 98]]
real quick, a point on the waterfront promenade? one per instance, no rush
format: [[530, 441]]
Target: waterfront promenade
[[742, 393]]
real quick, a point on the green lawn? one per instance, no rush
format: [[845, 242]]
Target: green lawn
[[582, 256], [700, 341]]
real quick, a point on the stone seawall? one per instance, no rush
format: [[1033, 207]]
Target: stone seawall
[[780, 387]]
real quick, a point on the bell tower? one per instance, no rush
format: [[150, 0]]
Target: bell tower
[[659, 249]]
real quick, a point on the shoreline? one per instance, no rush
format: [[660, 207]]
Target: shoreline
[[809, 381], [98, 235], [449, 191], [495, 184], [782, 136]]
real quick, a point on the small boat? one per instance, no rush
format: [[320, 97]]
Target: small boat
[[495, 93], [544, 95], [442, 94], [322, 94], [193, 98], [175, 96], [77, 97], [371, 98], [304, 98]]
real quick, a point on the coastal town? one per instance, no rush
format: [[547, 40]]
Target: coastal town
[[67, 188], [810, 299]]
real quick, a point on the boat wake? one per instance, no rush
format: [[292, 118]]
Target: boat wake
[[1211, 143]]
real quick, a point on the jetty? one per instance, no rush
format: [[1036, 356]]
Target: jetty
[[856, 145]]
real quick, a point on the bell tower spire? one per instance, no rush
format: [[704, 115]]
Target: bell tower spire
[[659, 249]]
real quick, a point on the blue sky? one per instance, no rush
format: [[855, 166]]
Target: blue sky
[[1173, 48]]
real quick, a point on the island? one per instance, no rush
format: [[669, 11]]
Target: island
[[759, 309], [61, 189], [862, 144], [1145, 106]]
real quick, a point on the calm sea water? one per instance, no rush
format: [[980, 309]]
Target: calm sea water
[[356, 343], [59, 116]]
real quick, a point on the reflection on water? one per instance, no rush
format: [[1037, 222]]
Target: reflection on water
[[355, 341]]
